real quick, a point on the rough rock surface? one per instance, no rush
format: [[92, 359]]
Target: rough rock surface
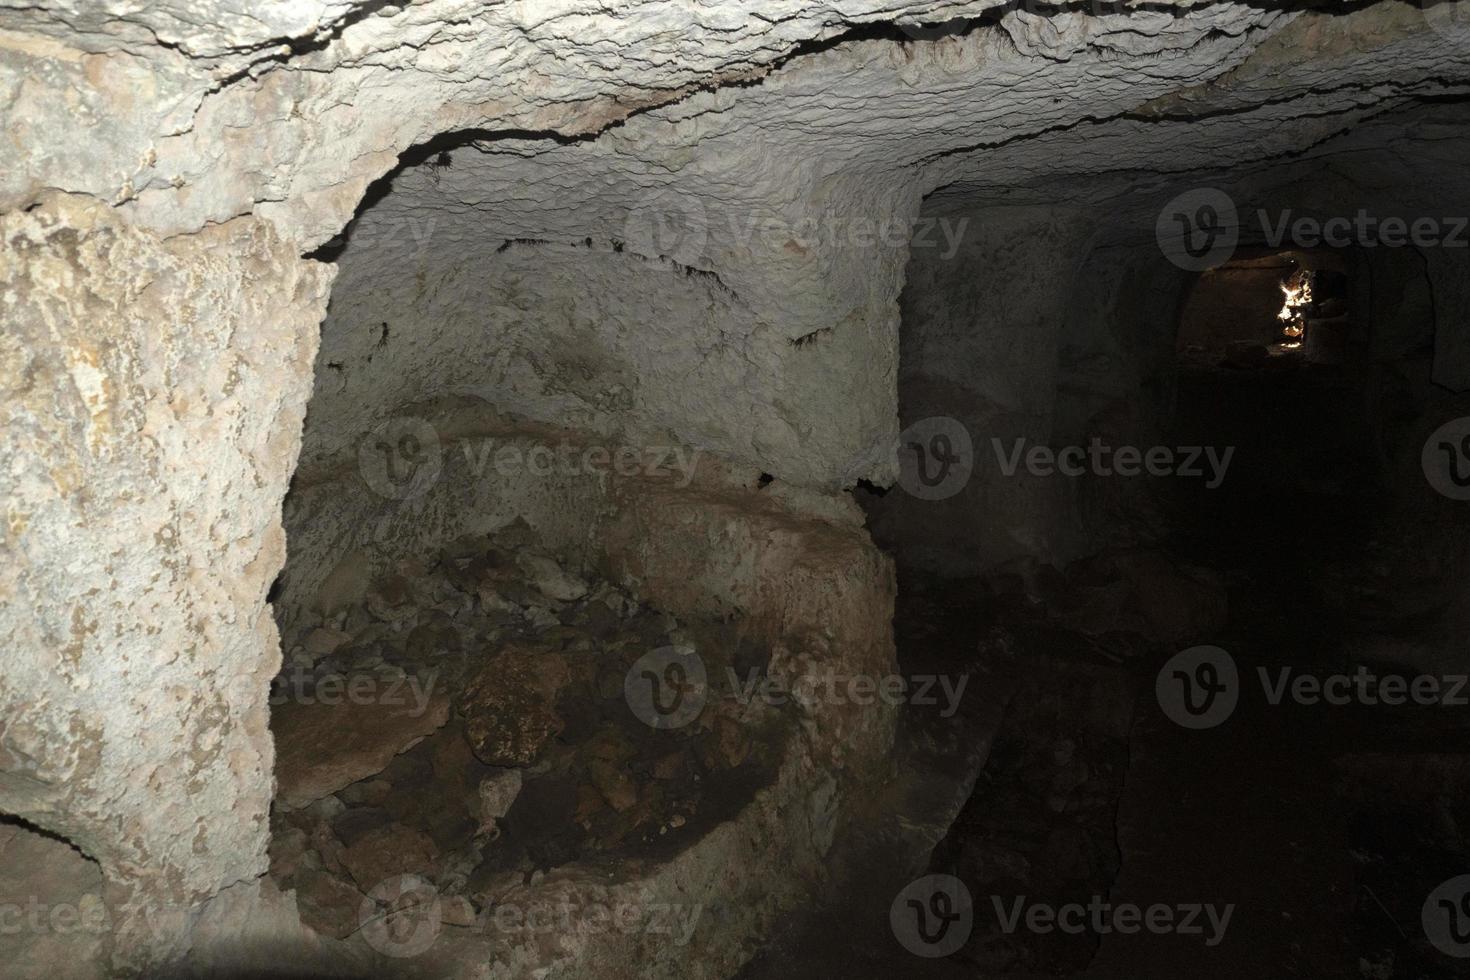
[[635, 181], [152, 393], [386, 852], [538, 683], [321, 748], [509, 705], [57, 924]]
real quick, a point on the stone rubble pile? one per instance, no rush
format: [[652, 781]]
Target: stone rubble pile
[[467, 722]]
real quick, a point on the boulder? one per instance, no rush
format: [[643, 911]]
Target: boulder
[[327, 904], [614, 784], [391, 598], [497, 794], [388, 851], [321, 748], [509, 705], [550, 579], [324, 641]]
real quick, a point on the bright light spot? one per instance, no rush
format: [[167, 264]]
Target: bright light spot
[[1296, 291]]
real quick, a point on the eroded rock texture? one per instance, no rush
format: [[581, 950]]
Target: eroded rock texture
[[654, 221], [153, 397]]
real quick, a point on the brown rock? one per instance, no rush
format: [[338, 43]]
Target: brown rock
[[598, 618], [327, 903], [323, 642], [496, 608], [614, 783], [391, 598], [614, 827], [432, 638], [368, 792], [487, 886], [589, 801], [346, 584], [357, 822], [320, 748], [509, 705], [465, 572], [389, 613], [413, 568], [327, 846], [455, 767], [456, 910], [517, 536], [447, 819], [671, 766], [550, 579], [610, 744], [287, 850], [610, 682], [393, 589], [388, 851], [726, 745], [497, 794]]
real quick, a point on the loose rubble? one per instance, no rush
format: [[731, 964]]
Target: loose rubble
[[466, 722]]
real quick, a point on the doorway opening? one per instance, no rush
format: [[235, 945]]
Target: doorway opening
[[1264, 307]]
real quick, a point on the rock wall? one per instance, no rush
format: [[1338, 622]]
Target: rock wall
[[579, 317], [153, 397]]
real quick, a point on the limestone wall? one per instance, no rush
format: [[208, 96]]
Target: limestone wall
[[153, 392]]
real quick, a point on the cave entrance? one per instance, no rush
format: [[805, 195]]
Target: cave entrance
[[1273, 368], [1263, 305]]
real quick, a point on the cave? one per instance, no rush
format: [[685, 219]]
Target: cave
[[650, 489]]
